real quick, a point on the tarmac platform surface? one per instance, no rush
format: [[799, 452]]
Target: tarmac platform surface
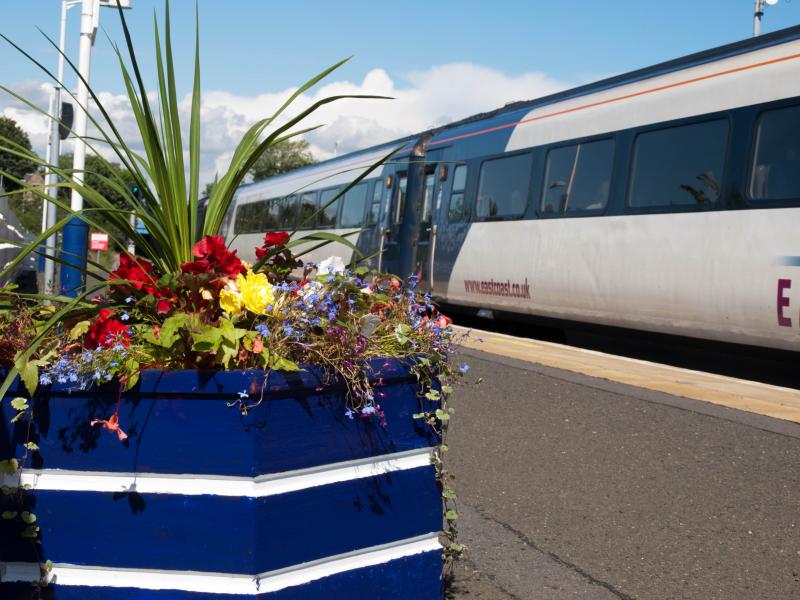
[[577, 487]]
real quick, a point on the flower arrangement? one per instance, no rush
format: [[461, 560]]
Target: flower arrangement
[[221, 313], [187, 302]]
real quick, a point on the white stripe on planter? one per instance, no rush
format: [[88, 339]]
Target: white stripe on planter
[[196, 485], [222, 583]]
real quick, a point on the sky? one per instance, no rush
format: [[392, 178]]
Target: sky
[[441, 61]]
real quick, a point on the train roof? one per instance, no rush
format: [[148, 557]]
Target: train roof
[[706, 56], [507, 113]]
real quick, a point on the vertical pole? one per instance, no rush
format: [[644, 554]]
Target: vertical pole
[[55, 153], [76, 233], [759, 12], [408, 235]]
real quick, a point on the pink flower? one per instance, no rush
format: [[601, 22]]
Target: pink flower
[[112, 424]]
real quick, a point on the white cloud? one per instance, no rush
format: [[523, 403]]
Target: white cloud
[[432, 97]]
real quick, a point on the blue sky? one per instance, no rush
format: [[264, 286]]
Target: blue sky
[[443, 60], [250, 45]]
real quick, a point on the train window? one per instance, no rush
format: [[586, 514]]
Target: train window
[[249, 218], [242, 219], [503, 187], [375, 208], [400, 199], [427, 200], [270, 215], [328, 207], [455, 210], [578, 178], [775, 173], [287, 212], [354, 204], [678, 166], [308, 211]]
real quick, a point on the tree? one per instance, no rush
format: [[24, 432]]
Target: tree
[[98, 168], [17, 166], [27, 207], [210, 187], [281, 158]]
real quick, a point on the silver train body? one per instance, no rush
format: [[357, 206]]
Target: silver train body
[[665, 200]]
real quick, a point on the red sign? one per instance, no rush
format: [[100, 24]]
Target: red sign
[[98, 241]]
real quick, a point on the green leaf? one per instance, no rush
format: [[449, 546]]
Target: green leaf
[[9, 467], [132, 380], [30, 532], [169, 332], [447, 390], [457, 548], [279, 363], [442, 415], [28, 372], [9, 514], [19, 404], [433, 395], [7, 490], [227, 352], [207, 340], [420, 415], [229, 332], [451, 515], [28, 517], [31, 446], [79, 330], [449, 494]]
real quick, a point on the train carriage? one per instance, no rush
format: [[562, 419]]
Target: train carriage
[[665, 200]]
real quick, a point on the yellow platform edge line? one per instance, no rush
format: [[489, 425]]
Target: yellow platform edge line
[[764, 399]]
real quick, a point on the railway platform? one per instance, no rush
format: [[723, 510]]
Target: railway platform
[[586, 476]]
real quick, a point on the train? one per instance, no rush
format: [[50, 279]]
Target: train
[[664, 200]]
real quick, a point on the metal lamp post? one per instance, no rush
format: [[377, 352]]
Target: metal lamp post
[[759, 12], [53, 154], [75, 238]]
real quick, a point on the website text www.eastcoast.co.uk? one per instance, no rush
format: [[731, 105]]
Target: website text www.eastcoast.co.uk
[[492, 287]]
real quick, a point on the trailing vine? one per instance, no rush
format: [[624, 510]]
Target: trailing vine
[[436, 386], [14, 495]]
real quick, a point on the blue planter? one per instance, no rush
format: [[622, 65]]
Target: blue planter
[[292, 500]]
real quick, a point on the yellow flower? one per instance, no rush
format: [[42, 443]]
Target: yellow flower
[[257, 292], [230, 302]]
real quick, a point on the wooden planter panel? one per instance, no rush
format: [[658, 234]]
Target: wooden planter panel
[[292, 500]]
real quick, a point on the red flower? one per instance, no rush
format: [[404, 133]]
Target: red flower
[[164, 305], [136, 270], [213, 258], [271, 239], [443, 321], [276, 238], [105, 331]]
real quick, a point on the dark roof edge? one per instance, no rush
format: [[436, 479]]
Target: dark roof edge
[[670, 66]]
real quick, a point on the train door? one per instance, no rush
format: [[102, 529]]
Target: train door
[[369, 240], [410, 230], [426, 242], [388, 259]]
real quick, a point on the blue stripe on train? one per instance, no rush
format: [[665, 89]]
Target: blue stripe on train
[[411, 578], [230, 534], [288, 430]]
